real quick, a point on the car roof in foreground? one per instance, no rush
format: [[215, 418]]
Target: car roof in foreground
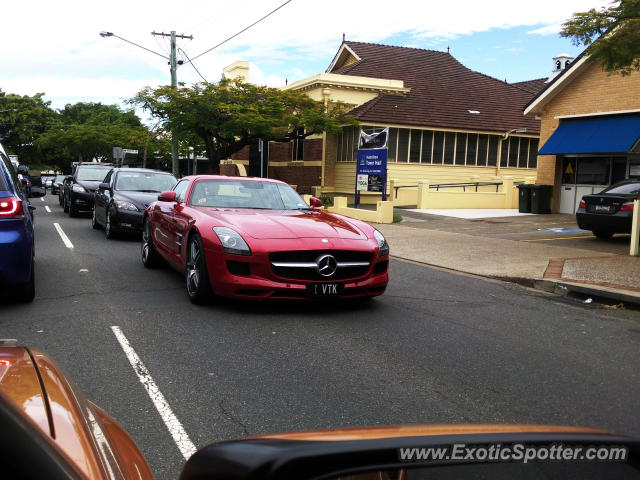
[[143, 170]]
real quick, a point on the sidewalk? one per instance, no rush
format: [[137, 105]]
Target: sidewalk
[[545, 251]]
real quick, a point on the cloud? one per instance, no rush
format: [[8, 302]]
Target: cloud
[[59, 50], [546, 30]]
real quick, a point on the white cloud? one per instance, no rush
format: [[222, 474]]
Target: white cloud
[[55, 46]]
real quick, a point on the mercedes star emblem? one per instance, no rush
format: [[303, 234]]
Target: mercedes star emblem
[[327, 265]]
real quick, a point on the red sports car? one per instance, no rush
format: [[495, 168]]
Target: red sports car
[[255, 238]]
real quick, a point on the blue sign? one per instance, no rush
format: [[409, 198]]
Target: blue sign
[[371, 171]]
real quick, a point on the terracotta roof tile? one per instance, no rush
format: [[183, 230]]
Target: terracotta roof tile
[[442, 91]]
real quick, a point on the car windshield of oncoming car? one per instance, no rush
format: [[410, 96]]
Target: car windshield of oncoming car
[[92, 174], [144, 182], [245, 194], [627, 188]]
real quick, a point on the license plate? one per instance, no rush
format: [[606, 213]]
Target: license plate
[[603, 208], [325, 289]]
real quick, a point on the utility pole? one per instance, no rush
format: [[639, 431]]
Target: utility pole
[[173, 63]]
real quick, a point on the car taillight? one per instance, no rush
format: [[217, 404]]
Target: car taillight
[[10, 207], [582, 204], [627, 207]]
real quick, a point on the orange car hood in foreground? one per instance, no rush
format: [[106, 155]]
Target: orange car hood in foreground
[[93, 441]]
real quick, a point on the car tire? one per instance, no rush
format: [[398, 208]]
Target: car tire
[[603, 234], [148, 253], [94, 222], [65, 205], [196, 274], [26, 292], [108, 229]]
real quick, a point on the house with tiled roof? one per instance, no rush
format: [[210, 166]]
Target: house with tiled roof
[[448, 123]]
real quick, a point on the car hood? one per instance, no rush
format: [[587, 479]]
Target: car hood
[[287, 224], [89, 185], [139, 199]]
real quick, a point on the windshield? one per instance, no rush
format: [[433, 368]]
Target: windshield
[[246, 194], [144, 182], [91, 173], [624, 189], [60, 178]]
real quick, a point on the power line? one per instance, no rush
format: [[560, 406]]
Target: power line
[[192, 64], [241, 31]]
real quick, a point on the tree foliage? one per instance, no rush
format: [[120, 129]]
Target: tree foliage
[[23, 119], [611, 35], [231, 114], [88, 131]]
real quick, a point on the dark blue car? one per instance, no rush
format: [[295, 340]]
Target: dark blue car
[[16, 235]]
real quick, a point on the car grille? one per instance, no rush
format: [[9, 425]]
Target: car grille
[[302, 265]]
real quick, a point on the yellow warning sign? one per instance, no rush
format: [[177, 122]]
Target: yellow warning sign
[[569, 170]]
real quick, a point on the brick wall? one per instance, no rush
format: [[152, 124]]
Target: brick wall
[[242, 154], [313, 150], [591, 92], [229, 169], [280, 151], [303, 177]]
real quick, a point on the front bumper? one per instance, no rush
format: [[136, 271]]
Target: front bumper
[[82, 200], [618, 222], [261, 283], [127, 221]]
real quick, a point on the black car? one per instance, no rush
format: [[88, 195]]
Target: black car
[[78, 192], [609, 211], [56, 184], [121, 200]]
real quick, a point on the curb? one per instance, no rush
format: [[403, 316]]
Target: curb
[[564, 288]]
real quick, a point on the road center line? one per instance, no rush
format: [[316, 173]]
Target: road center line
[[63, 236], [184, 443], [46, 207]]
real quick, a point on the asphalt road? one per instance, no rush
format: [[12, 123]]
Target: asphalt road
[[436, 348]]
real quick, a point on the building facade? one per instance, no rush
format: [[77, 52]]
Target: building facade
[[590, 130]]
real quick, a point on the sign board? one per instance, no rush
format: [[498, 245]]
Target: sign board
[[371, 165]]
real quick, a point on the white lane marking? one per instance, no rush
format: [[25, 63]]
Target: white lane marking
[[63, 236], [42, 198], [184, 443], [46, 207]]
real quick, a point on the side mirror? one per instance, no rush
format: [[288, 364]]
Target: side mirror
[[315, 202], [169, 196], [104, 186]]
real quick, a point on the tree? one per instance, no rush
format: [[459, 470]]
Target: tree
[[231, 114], [22, 120], [88, 131], [611, 35]]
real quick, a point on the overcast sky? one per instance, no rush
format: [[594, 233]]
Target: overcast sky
[[55, 47]]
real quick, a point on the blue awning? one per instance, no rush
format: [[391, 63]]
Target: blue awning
[[600, 135]]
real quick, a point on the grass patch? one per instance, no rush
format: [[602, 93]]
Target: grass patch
[[397, 218]]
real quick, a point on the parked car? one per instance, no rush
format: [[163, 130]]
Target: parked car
[[51, 431], [122, 198], [17, 268], [609, 211], [56, 183], [79, 191], [255, 238]]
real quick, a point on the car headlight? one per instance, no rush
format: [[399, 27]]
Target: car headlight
[[78, 188], [231, 241], [126, 206], [382, 243]]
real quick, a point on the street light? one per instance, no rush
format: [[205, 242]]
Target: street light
[[174, 83]]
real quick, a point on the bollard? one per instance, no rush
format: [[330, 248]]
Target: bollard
[[635, 230]]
